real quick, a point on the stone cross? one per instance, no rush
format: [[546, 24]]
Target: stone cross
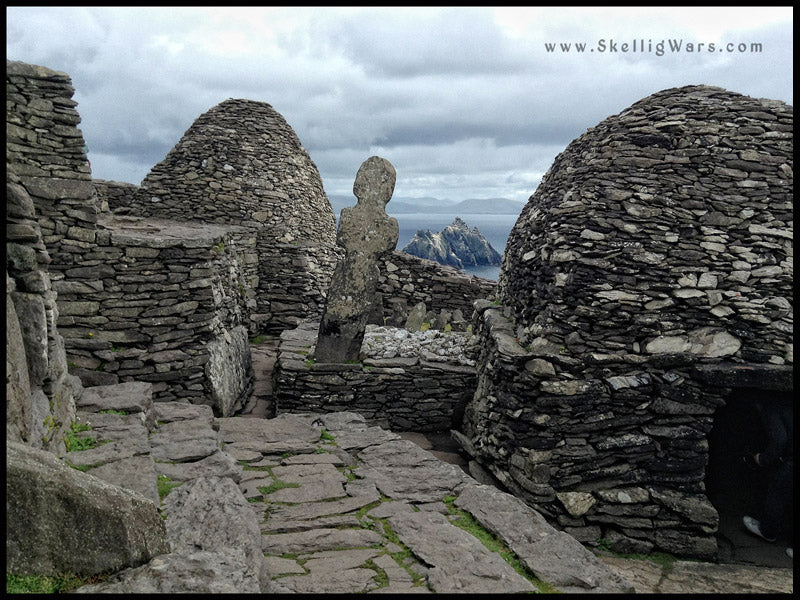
[[366, 233]]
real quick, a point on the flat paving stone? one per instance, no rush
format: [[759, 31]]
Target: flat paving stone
[[403, 470], [396, 574], [553, 556], [389, 509], [218, 464], [312, 491], [112, 427], [318, 540], [359, 439], [459, 562], [282, 428], [167, 412], [314, 459], [184, 441], [282, 566], [315, 510], [336, 560], [137, 473], [281, 526], [347, 581], [307, 473], [129, 397], [107, 453]]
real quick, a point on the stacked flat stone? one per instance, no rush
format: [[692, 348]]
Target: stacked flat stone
[[416, 387], [407, 280], [165, 307], [658, 244], [49, 220], [241, 163]]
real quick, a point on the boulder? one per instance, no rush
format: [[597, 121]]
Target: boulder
[[63, 520]]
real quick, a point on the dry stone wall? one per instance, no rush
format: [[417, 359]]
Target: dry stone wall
[[165, 306], [658, 245], [136, 299], [405, 381], [406, 280]]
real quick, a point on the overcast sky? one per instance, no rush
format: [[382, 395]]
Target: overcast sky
[[465, 102]]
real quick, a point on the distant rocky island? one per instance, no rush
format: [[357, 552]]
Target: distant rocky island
[[456, 245]]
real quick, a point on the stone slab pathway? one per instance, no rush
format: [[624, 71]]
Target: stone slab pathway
[[330, 504]]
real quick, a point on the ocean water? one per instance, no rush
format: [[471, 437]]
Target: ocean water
[[495, 228]]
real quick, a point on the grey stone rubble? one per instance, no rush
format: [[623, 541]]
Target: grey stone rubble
[[309, 503]]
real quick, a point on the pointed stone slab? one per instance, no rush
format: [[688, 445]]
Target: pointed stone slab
[[460, 563], [553, 556]]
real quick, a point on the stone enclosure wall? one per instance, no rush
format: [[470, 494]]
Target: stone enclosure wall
[[135, 299], [47, 184], [658, 245], [406, 381]]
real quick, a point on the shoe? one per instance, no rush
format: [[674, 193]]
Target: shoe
[[790, 553], [753, 526]]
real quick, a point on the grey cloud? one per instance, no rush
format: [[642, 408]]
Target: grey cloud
[[423, 42]]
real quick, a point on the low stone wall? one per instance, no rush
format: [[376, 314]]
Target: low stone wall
[[165, 304], [422, 384], [610, 446], [116, 196], [406, 280]]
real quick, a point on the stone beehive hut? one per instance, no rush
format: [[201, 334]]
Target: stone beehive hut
[[241, 163], [649, 275]]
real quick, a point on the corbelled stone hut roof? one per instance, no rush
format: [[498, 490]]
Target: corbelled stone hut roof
[[241, 162], [665, 228]]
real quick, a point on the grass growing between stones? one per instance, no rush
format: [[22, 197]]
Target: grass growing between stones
[[468, 523], [402, 556], [75, 442], [165, 486], [47, 584]]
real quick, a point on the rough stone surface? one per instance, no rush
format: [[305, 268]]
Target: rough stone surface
[[61, 520], [459, 562], [366, 233], [552, 555], [228, 522], [419, 381], [401, 469], [223, 571]]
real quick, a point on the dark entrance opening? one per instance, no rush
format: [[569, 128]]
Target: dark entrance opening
[[736, 489]]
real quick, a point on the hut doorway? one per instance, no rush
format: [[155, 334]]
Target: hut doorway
[[736, 489]]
